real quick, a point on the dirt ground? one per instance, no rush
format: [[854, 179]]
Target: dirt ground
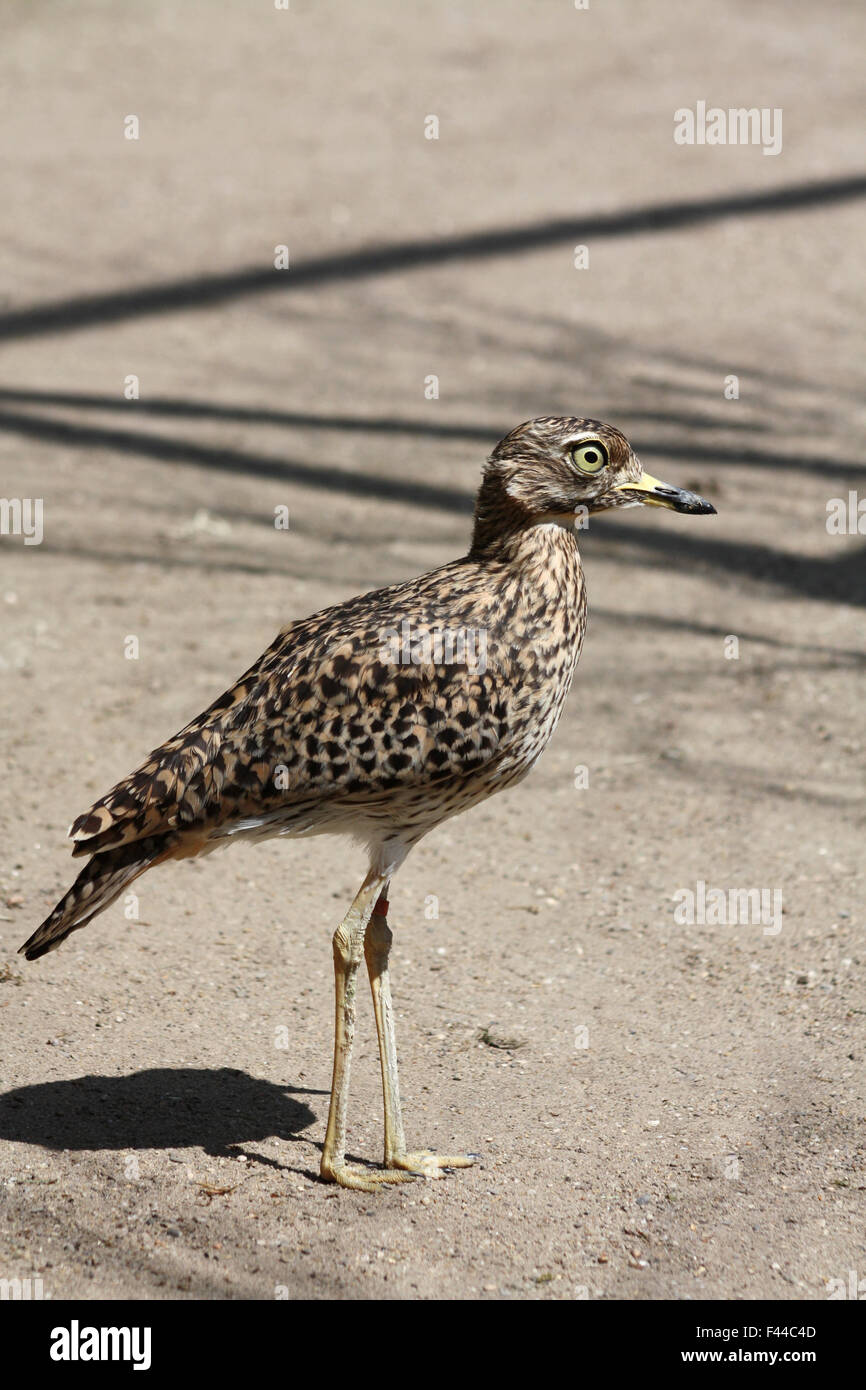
[[662, 1110]]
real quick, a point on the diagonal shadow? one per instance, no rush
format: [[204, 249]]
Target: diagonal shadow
[[258, 415], [181, 451], [843, 469], [203, 291], [841, 580], [361, 424], [164, 1108], [379, 424], [829, 581], [234, 460], [665, 623]]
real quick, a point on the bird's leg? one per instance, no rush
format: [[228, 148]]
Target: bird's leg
[[377, 949], [348, 950]]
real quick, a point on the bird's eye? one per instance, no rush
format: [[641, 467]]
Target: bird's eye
[[590, 457]]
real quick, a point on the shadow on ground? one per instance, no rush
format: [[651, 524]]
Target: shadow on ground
[[163, 1108], [202, 291], [838, 579]]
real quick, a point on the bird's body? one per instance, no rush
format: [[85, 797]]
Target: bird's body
[[349, 724], [379, 717]]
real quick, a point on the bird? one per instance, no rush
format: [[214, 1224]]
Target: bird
[[378, 719]]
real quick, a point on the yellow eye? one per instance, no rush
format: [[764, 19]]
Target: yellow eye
[[590, 457]]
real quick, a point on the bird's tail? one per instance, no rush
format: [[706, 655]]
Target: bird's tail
[[101, 880]]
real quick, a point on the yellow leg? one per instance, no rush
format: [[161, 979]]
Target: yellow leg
[[348, 950], [377, 949]]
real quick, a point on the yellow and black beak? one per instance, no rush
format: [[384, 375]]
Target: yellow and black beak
[[652, 493]]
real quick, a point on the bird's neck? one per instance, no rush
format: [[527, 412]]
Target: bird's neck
[[531, 586], [536, 570], [504, 532], [526, 545]]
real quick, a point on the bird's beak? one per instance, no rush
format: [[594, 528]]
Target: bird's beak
[[652, 493]]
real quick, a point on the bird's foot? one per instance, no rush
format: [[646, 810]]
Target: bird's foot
[[400, 1168], [361, 1179], [425, 1164]]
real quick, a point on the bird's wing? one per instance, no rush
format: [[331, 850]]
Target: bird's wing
[[347, 703]]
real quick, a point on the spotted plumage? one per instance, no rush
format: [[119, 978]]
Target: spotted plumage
[[384, 715]]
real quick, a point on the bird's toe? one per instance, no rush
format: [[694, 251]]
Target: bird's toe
[[425, 1164], [360, 1179]]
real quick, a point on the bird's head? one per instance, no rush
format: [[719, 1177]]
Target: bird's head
[[558, 468]]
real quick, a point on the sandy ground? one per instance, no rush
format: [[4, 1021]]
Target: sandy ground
[[673, 1111]]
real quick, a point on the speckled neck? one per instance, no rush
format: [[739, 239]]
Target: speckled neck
[[513, 540]]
